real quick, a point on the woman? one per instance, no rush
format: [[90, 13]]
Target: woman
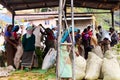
[[65, 64], [28, 42], [10, 46], [86, 42], [50, 40]]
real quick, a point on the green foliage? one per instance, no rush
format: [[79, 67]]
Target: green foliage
[[100, 18], [44, 10], [39, 54], [118, 45], [34, 74], [117, 48]]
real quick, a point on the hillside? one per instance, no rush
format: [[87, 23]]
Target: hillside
[[104, 19]]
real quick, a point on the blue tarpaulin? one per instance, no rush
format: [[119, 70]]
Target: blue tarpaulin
[[5, 18], [66, 34]]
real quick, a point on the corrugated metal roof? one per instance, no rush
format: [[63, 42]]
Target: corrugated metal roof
[[14, 5]]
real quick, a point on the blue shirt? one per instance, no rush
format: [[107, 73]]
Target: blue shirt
[[8, 34]]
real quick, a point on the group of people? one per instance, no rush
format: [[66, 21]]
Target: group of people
[[89, 39], [103, 38], [29, 40], [12, 40], [85, 41], [107, 39]]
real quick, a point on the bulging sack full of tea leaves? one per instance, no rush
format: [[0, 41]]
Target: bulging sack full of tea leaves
[[49, 59], [98, 51], [111, 69], [80, 66], [118, 58], [94, 64], [18, 56], [110, 54], [5, 71]]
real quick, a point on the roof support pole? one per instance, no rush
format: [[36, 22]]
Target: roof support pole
[[73, 41], [13, 20], [65, 10], [112, 15], [59, 39]]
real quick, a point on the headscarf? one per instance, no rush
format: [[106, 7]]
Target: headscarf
[[29, 31], [15, 28]]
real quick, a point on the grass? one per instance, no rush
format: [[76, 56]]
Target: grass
[[34, 74]]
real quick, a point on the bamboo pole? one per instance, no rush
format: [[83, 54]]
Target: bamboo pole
[[73, 41], [59, 39]]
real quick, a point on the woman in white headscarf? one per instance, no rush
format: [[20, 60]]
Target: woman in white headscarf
[[28, 42]]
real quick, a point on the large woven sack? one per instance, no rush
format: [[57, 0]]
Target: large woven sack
[[80, 67], [94, 64], [111, 69], [98, 51], [49, 59], [118, 58], [109, 54], [18, 55]]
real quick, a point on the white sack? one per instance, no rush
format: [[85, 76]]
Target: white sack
[[98, 51], [118, 59], [18, 55], [80, 67], [37, 34], [109, 54], [94, 64], [49, 59], [2, 40], [111, 69], [5, 71]]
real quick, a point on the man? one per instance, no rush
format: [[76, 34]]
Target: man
[[114, 37], [104, 39]]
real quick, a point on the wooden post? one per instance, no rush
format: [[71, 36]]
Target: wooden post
[[13, 20], [112, 15]]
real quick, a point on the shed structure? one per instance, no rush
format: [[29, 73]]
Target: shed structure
[[15, 5]]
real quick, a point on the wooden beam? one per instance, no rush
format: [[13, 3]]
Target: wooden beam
[[84, 3], [57, 13], [105, 0], [34, 7], [116, 7], [43, 5], [24, 2], [6, 6], [99, 1], [11, 5], [100, 5], [78, 4]]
